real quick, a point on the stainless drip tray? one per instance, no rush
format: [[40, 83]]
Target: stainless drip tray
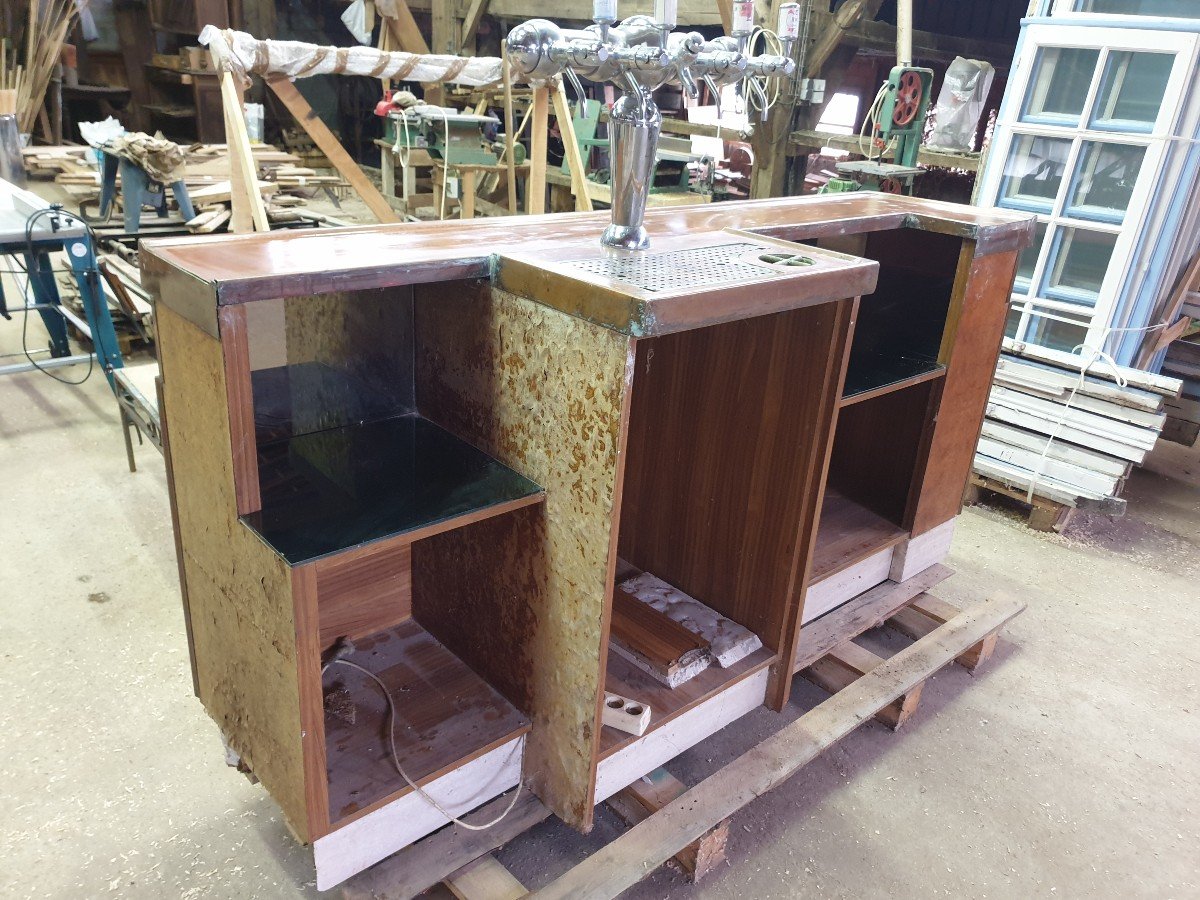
[[679, 271]]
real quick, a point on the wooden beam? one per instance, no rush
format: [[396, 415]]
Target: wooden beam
[[848, 662], [510, 159], [535, 187], [928, 612], [404, 29], [566, 127], [864, 612], [809, 141], [485, 879], [247, 210], [470, 25], [652, 792], [331, 147], [835, 30], [626, 860]]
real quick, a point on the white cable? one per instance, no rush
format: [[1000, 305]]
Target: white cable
[[1098, 355], [396, 757]]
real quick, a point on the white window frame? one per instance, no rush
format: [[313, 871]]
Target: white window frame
[[1010, 128]]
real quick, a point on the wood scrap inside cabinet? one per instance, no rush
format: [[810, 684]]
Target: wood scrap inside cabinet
[[439, 453]]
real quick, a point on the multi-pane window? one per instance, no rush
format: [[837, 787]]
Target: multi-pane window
[[1079, 145]]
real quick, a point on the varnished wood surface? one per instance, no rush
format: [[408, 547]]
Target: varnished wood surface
[[252, 267], [653, 635], [973, 344], [665, 703], [359, 594], [445, 716], [848, 533], [716, 483]]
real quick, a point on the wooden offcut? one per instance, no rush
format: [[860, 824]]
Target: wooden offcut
[[654, 642]]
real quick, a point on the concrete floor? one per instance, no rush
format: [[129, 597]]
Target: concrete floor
[[1067, 768]]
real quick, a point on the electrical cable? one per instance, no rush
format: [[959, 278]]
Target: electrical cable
[[396, 756], [97, 343]]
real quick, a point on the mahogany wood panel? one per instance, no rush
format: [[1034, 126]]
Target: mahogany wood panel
[[717, 477], [446, 715], [848, 533], [879, 446], [978, 326], [523, 598], [359, 594], [236, 354]]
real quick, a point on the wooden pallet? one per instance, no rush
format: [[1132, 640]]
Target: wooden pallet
[[1041, 514], [671, 821]]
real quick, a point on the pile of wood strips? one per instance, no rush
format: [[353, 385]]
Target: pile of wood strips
[[1183, 362], [207, 180], [1073, 439]]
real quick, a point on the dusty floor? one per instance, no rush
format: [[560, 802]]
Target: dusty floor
[[1068, 768]]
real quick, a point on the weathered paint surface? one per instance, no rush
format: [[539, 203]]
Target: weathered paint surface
[[239, 592], [523, 598]]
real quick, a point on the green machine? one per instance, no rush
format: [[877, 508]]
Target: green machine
[[448, 135], [897, 120]]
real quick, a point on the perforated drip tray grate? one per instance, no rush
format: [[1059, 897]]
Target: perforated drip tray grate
[[700, 267]]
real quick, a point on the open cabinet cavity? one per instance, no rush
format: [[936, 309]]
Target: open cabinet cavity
[[727, 431], [352, 482], [897, 363]]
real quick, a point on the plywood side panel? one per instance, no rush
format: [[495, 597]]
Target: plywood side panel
[[976, 324], [239, 592], [727, 426], [523, 598]]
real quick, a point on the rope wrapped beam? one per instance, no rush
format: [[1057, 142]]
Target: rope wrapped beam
[[243, 55]]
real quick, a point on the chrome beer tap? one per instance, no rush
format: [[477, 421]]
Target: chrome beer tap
[[638, 56]]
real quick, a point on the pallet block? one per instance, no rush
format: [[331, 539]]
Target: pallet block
[[926, 613], [844, 665], [651, 793]]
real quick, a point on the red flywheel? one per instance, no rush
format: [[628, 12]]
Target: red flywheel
[[908, 99]]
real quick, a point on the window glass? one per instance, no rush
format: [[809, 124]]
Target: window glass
[[1104, 180], [1059, 88], [1013, 322], [1034, 172], [1132, 91], [1080, 259], [1053, 333], [1176, 9], [1027, 260]]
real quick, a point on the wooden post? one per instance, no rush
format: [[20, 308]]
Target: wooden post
[[466, 193], [470, 25], [566, 127], [535, 187], [509, 138], [247, 210], [331, 147]]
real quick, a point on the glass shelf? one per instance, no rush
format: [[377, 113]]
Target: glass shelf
[[331, 490], [875, 373]]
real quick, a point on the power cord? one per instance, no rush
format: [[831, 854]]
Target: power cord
[[55, 211], [339, 660]]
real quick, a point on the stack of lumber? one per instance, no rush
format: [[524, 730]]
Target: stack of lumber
[[1183, 412], [1073, 439]]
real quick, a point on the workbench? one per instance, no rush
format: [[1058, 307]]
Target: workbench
[[447, 443]]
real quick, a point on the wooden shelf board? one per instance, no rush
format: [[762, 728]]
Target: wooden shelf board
[[667, 703], [848, 533], [446, 715]]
